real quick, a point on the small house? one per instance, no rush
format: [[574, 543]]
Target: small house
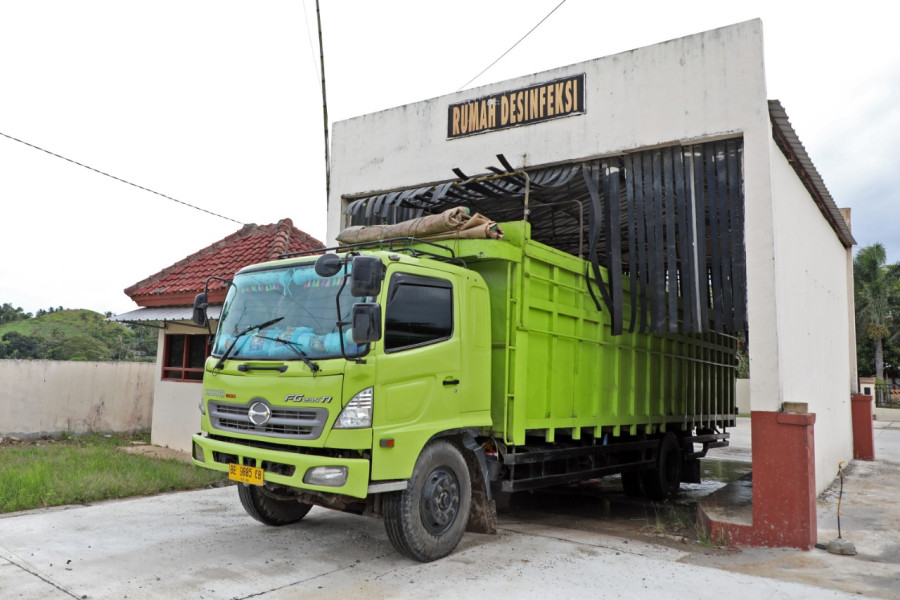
[[166, 302]]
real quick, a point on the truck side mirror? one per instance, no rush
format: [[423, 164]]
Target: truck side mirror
[[200, 304], [328, 265], [367, 273], [366, 322]]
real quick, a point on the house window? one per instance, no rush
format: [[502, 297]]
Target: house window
[[184, 356]]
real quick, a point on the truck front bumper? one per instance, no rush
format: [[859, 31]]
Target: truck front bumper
[[283, 468]]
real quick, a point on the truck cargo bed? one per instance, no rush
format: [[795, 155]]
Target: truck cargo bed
[[559, 373]]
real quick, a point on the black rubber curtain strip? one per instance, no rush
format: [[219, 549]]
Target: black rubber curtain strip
[[591, 176], [669, 219], [612, 228], [627, 165]]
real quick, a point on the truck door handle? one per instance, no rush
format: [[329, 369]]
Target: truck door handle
[[451, 382]]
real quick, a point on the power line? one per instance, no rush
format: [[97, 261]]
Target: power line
[[312, 50], [513, 46], [140, 187]]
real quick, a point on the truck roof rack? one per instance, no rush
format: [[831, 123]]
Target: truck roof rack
[[400, 244]]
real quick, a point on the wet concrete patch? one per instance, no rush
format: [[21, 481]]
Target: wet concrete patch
[[600, 505]]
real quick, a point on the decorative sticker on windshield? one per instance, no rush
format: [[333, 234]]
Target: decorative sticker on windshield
[[321, 283], [260, 287]]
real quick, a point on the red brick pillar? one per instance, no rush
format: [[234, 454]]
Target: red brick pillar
[[863, 430], [784, 479], [783, 485]]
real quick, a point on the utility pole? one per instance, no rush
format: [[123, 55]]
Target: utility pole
[[324, 110]]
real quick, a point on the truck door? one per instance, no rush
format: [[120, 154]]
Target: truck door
[[418, 374]]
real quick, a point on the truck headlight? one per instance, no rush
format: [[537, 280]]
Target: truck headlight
[[358, 412]]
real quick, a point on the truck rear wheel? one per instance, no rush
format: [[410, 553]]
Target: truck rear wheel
[[663, 481], [426, 520], [266, 507]]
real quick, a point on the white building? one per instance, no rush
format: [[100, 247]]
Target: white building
[[683, 94]]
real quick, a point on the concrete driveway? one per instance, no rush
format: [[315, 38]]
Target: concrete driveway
[[202, 545]]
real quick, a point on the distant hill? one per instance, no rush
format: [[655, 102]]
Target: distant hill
[[75, 334]]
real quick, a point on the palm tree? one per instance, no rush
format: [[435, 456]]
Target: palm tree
[[877, 296]]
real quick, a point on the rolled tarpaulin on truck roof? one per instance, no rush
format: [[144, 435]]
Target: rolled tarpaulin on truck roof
[[453, 223]]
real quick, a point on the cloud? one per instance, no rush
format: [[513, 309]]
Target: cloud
[[856, 152]]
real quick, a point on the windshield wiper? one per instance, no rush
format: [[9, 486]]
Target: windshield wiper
[[296, 348], [225, 356]]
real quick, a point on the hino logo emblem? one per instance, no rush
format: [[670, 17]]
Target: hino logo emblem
[[259, 413]]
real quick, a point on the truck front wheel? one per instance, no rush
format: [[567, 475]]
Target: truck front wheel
[[266, 507], [426, 520]]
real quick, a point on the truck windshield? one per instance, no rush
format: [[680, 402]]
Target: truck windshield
[[297, 311]]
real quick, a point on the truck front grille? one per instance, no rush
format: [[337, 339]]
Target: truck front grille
[[291, 423]]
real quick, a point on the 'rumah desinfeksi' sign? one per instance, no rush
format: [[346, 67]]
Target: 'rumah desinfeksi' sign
[[534, 104]]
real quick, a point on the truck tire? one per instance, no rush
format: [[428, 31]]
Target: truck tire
[[426, 520], [663, 481], [269, 509]]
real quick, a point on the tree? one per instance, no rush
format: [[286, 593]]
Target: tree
[[80, 347], [24, 346], [877, 298], [10, 314], [143, 341], [865, 351], [61, 334]]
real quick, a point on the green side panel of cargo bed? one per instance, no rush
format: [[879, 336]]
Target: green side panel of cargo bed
[[558, 372]]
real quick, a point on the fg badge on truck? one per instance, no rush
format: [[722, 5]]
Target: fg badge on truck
[[302, 398]]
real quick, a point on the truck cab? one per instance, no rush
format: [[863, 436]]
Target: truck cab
[[329, 376]]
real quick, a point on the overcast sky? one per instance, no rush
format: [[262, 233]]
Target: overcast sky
[[218, 104]]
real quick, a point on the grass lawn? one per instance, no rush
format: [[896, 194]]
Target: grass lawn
[[40, 473]]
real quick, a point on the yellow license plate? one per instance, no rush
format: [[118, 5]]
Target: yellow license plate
[[245, 474]]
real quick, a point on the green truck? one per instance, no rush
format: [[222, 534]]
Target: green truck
[[419, 381]]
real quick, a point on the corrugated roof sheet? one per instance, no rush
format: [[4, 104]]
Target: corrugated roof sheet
[[177, 284], [164, 313], [787, 140]]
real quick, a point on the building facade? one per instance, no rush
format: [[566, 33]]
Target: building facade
[[791, 245]]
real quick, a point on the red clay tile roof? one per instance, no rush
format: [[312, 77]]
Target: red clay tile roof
[[179, 283]]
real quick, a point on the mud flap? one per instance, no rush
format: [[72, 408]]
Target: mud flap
[[483, 511]]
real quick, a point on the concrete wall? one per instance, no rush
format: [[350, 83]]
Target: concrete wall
[[851, 309], [742, 396], [702, 87], [176, 416], [813, 321], [48, 397], [888, 414]]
